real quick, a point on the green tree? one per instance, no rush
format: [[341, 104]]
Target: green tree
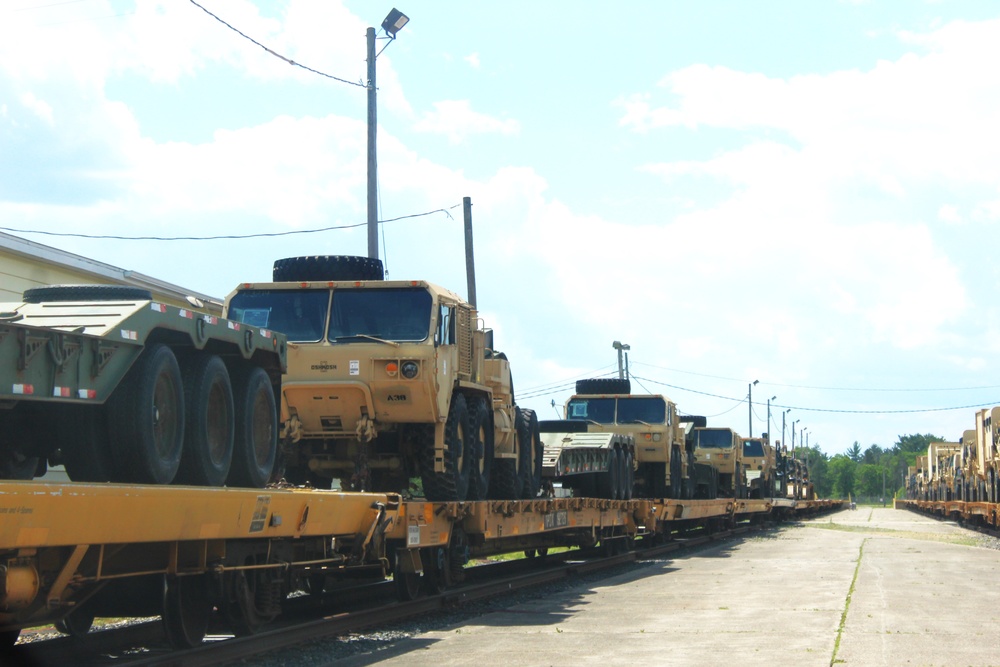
[[842, 470], [868, 482], [916, 444], [872, 455], [854, 452]]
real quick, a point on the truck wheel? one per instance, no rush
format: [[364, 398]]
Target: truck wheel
[[626, 476], [507, 476], [327, 267], [209, 422], [86, 293], [604, 386], [532, 457], [147, 418], [675, 491], [453, 483], [482, 450], [83, 438], [255, 442]]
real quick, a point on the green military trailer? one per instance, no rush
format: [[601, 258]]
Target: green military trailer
[[116, 386]]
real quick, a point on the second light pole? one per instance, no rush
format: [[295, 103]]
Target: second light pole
[[750, 404]]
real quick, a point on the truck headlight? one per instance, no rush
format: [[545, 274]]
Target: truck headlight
[[409, 369]]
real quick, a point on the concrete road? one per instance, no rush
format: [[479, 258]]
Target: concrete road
[[863, 587]]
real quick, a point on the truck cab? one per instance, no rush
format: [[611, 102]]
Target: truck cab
[[722, 449]]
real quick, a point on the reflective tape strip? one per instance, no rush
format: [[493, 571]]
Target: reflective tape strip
[[129, 335], [186, 313], [61, 392], [87, 393], [25, 389], [211, 319], [265, 333], [158, 307], [235, 326]]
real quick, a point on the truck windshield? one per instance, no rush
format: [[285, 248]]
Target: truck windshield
[[398, 314], [753, 448], [299, 314], [600, 410], [642, 409], [715, 437]]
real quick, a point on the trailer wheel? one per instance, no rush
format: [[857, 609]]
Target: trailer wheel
[[453, 483], [327, 267], [147, 418], [483, 450], [86, 293], [209, 422], [604, 386], [83, 440], [532, 461], [255, 442], [187, 609], [608, 484]]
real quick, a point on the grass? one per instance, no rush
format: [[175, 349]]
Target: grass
[[847, 602], [961, 540]]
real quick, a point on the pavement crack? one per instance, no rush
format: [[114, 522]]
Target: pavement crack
[[847, 603]]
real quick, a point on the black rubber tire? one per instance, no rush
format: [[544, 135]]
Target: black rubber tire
[[604, 386], [507, 476], [255, 441], [608, 485], [146, 418], [675, 491], [481, 467], [533, 456], [453, 483], [327, 267], [86, 293], [209, 422], [187, 610], [83, 439]]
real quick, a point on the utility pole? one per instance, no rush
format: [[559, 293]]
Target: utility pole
[[372, 165], [750, 404]]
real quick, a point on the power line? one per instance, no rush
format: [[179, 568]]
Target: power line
[[831, 410], [224, 237], [276, 54], [806, 386]]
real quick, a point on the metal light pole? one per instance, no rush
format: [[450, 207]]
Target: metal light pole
[[750, 404], [622, 370], [392, 24], [783, 442], [769, 417], [793, 436]]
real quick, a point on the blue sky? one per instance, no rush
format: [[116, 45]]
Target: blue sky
[[800, 193]]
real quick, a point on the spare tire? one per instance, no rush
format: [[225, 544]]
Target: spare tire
[[86, 293], [604, 386], [327, 267]]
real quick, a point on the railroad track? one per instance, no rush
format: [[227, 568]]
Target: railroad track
[[349, 610]]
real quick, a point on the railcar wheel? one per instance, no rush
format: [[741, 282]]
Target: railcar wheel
[[146, 418], [453, 483], [533, 452], [253, 599], [255, 443], [409, 585], [77, 623], [187, 609], [209, 422], [481, 467]]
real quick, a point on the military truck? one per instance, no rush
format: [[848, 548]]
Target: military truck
[[722, 449], [941, 459], [987, 453], [637, 438], [390, 380], [760, 465], [119, 387]]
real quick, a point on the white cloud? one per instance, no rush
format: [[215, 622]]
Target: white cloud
[[456, 120], [473, 60]]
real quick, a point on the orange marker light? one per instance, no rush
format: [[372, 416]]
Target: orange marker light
[[391, 368]]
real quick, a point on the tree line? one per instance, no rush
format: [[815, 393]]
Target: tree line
[[866, 475]]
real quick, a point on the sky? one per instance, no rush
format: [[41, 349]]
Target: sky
[[793, 193]]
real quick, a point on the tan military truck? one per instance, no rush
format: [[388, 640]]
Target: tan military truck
[[987, 439], [941, 458], [759, 462], [648, 457], [390, 380], [722, 449]]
